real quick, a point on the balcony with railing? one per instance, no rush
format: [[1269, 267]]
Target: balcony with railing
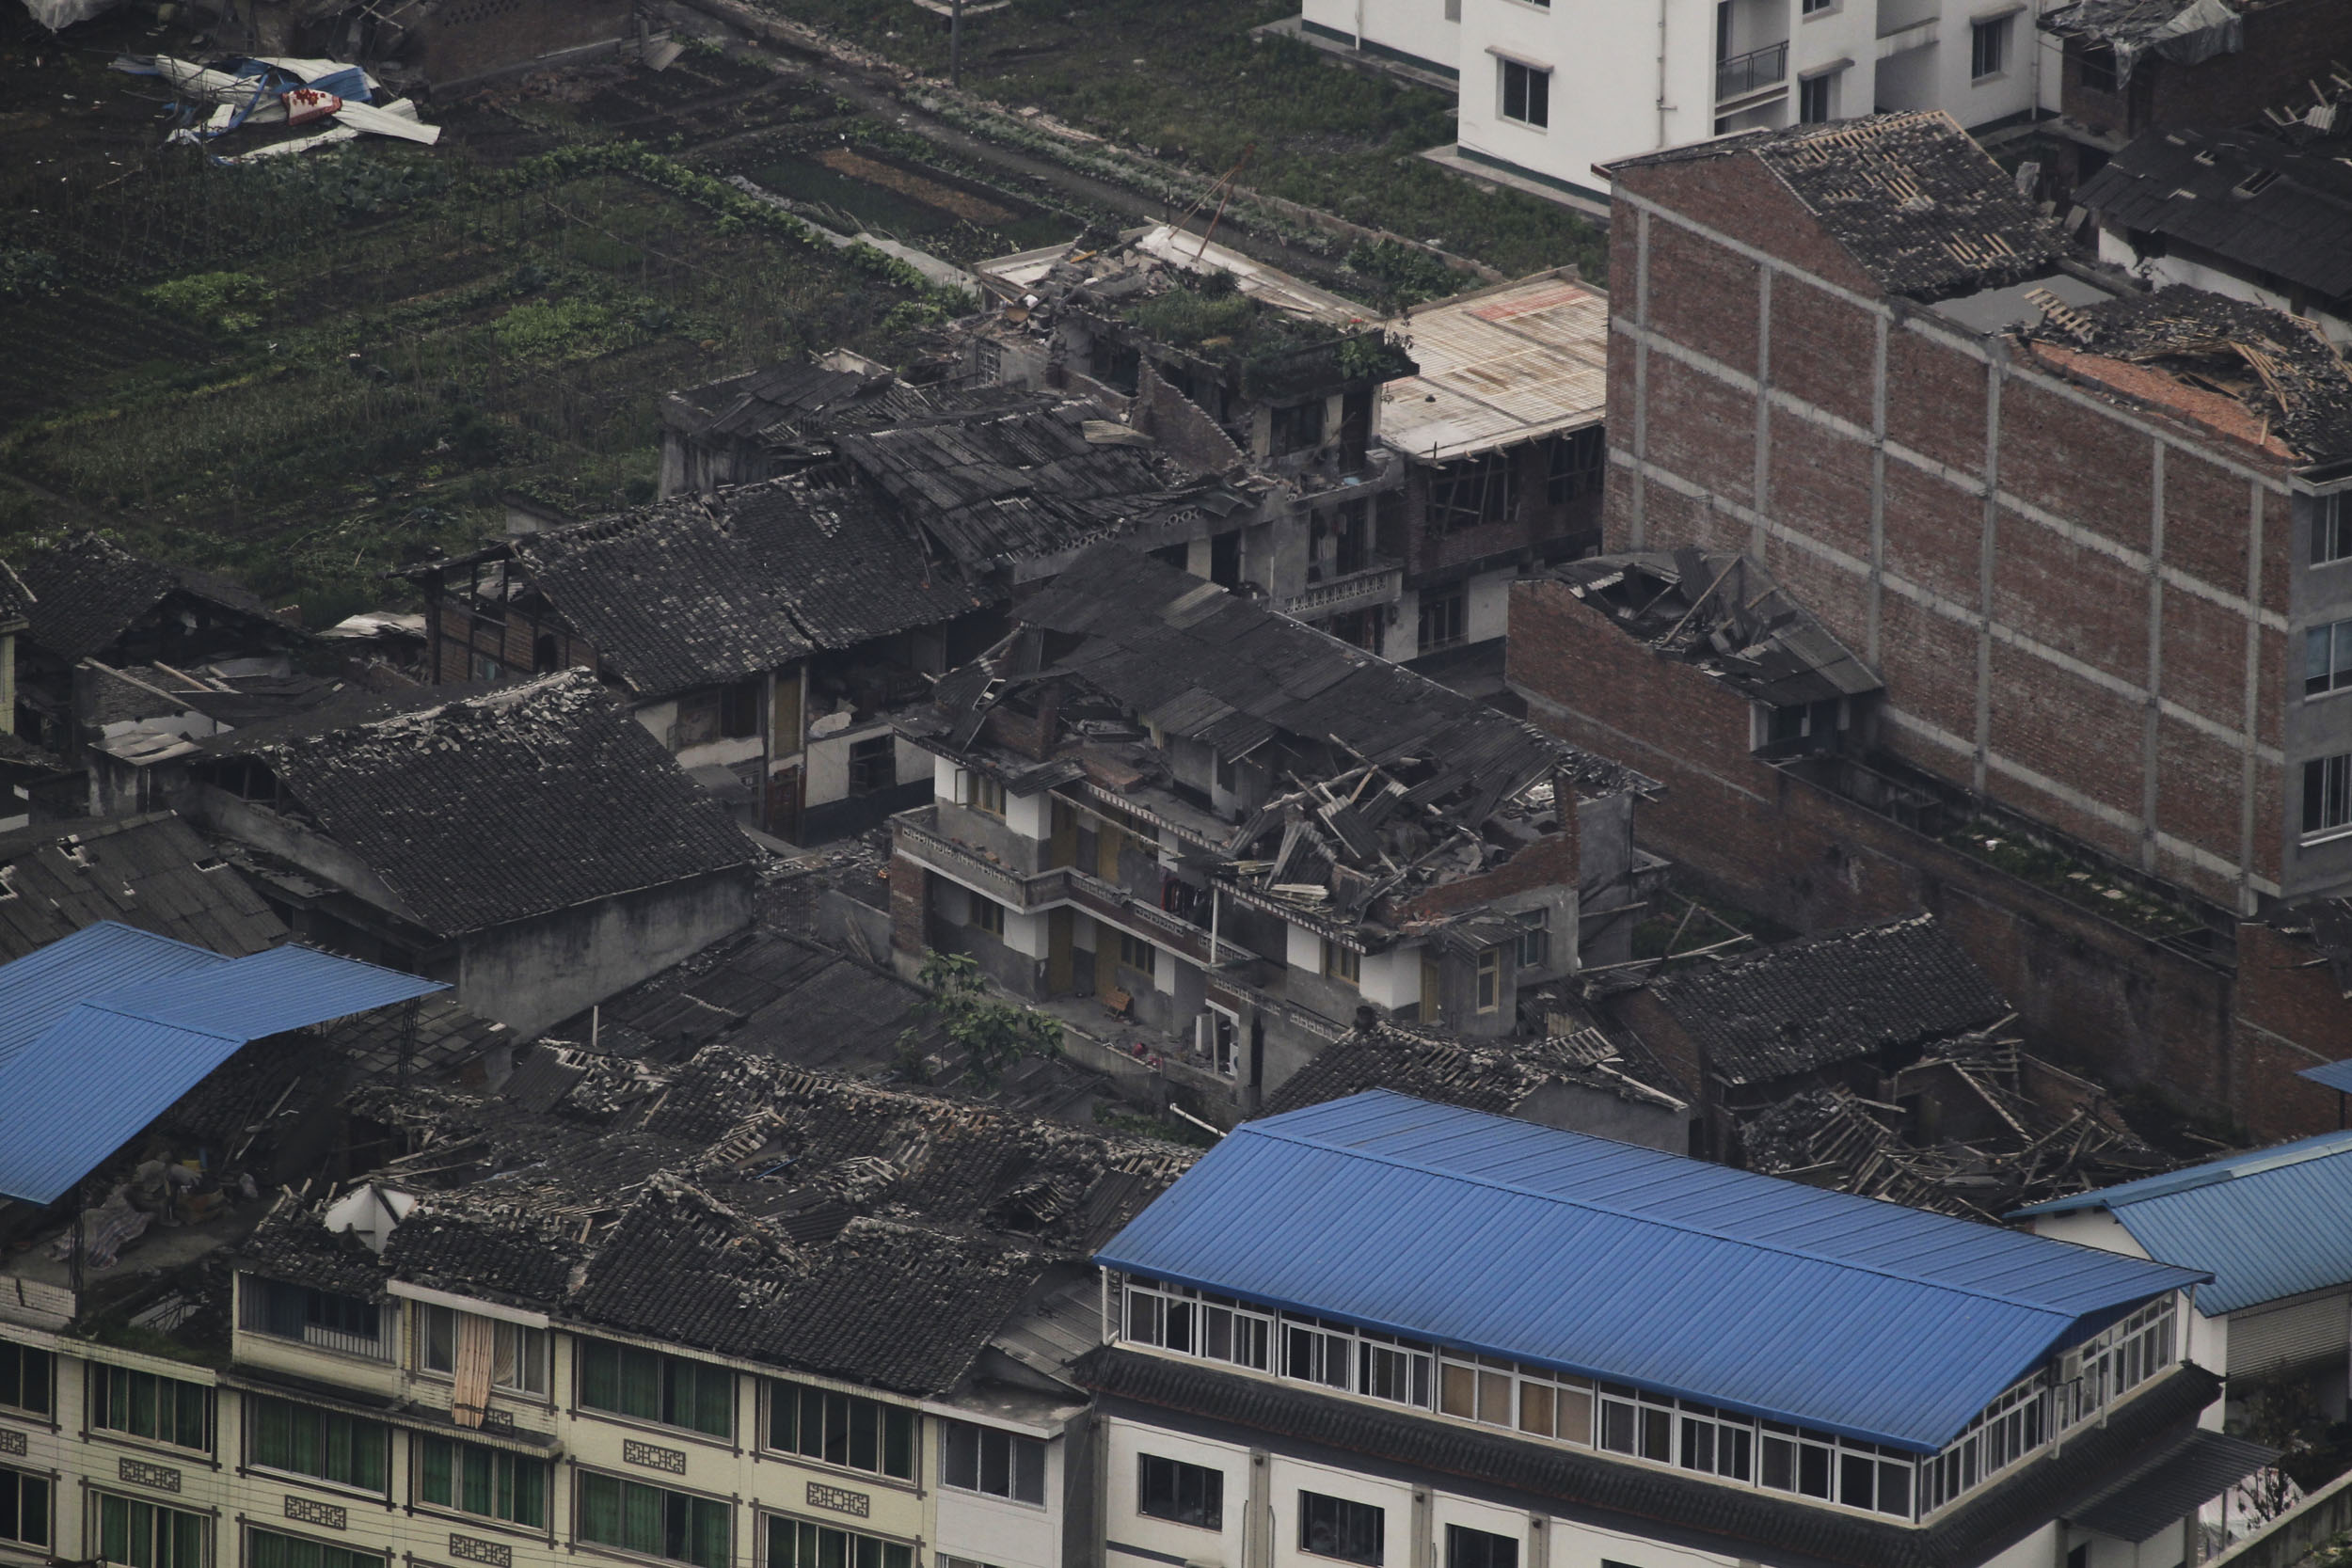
[[1380, 582], [1743, 76], [918, 836]]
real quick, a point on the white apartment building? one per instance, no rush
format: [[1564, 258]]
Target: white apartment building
[[1547, 88]]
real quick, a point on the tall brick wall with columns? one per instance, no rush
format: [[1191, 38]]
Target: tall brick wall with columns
[[2227, 1034], [2080, 606]]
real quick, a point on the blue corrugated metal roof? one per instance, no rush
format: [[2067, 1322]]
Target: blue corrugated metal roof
[[1860, 1317], [2266, 1223], [101, 1031], [49, 982], [2334, 1075]]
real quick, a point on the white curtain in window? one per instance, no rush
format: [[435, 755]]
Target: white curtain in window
[[476, 1351]]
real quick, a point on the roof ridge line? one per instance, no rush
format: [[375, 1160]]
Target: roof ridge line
[[1683, 1226]]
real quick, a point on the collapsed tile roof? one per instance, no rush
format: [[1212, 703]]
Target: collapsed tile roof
[[1022, 483], [86, 591], [796, 1001], [1916, 203], [2242, 370], [1809, 1004], [2186, 31], [1386, 783], [2246, 197], [686, 593], [795, 409], [154, 873], [495, 807], [741, 1206], [1478, 1075], [16, 601], [1726, 615]]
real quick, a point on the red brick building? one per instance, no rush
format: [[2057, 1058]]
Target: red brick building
[[2089, 539], [2081, 531]]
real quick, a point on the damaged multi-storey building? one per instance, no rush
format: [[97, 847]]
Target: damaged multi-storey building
[[1236, 369], [859, 540], [1242, 831], [718, 1312], [2075, 548]]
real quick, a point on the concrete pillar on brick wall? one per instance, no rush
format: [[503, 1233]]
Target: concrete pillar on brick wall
[[909, 913]]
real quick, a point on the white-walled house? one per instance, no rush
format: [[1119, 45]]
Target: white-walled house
[[2267, 1224], [1547, 88]]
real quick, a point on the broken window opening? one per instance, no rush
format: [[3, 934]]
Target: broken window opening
[[873, 764], [1578, 460], [1472, 493], [1298, 428], [738, 708], [1444, 620]]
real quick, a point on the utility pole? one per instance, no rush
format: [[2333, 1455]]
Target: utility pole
[[955, 43]]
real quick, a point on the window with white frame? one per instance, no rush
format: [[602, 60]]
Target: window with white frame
[[135, 1534], [1988, 47], [27, 1379], [837, 1427], [1816, 99], [2327, 658], [1534, 938], [2331, 527], [1342, 1528], [1466, 1547], [518, 1354], [25, 1508], [158, 1409], [2117, 1360], [992, 1462], [2327, 794], [1216, 1328], [269, 1548], [1526, 94], [802, 1543], [1180, 1493], [327, 1319], [1724, 1445]]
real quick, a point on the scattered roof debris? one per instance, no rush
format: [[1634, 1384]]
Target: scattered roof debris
[[880, 1235], [1498, 367], [1385, 785], [153, 872], [1501, 1076], [787, 416], [2245, 196], [2187, 32], [1910, 195], [2243, 370], [1727, 616], [1975, 1128], [493, 808]]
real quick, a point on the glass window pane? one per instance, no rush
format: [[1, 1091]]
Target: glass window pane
[[898, 1443], [1028, 1470]]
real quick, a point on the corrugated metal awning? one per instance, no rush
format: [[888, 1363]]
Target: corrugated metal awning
[[124, 1022]]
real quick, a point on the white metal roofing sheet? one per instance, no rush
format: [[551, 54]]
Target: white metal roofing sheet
[[1499, 368]]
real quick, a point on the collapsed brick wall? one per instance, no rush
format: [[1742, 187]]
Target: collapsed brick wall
[[2087, 991], [2287, 43]]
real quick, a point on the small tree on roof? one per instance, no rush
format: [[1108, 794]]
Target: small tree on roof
[[994, 1034]]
